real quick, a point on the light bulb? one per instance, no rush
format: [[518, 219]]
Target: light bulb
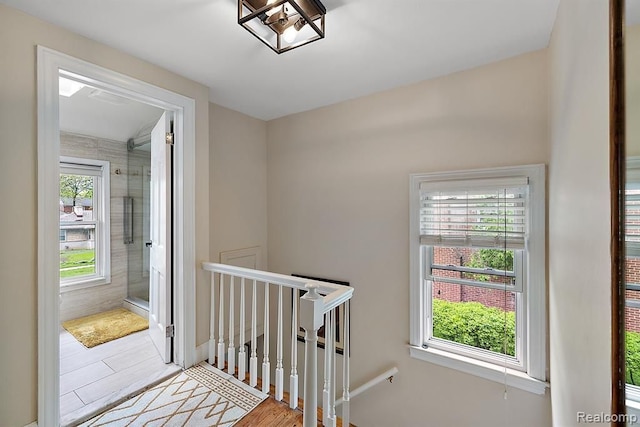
[[290, 34]]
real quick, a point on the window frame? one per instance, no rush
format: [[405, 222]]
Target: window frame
[[101, 217], [516, 362], [531, 374], [632, 249]]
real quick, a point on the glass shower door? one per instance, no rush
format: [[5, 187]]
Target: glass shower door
[[136, 223]]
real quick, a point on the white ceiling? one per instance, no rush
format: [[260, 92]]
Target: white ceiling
[[370, 45], [96, 113]]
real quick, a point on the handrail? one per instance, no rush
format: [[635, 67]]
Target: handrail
[[333, 294], [386, 375]]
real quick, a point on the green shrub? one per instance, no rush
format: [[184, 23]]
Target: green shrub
[[497, 259], [493, 258], [474, 324], [633, 357]]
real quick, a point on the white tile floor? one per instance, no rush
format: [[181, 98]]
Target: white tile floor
[[95, 378]]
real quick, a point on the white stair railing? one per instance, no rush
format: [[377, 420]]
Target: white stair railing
[[318, 305]]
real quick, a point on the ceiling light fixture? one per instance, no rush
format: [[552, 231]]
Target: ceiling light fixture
[[283, 25], [68, 87]]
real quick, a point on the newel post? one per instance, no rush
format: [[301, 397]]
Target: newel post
[[311, 320]]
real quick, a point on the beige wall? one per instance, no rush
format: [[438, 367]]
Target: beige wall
[[238, 189], [579, 213], [19, 35], [338, 207]]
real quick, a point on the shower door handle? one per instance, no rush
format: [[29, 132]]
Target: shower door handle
[[128, 220]]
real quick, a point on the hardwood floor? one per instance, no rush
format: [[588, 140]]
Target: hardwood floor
[[97, 378], [272, 413]]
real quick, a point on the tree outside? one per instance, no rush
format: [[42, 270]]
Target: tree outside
[[76, 187], [76, 259]]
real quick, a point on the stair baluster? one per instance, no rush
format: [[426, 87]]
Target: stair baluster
[[346, 415], [242, 357], [266, 365], [326, 388], [293, 378], [279, 368], [212, 322], [221, 326], [331, 417], [231, 352], [253, 361]]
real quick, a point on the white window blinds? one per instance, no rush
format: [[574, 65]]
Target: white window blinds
[[489, 213], [632, 218]]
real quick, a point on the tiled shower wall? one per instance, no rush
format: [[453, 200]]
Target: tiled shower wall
[[83, 302]]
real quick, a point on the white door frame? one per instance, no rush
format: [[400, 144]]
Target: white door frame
[[50, 65]]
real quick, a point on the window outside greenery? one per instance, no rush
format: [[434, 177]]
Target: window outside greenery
[[77, 225], [476, 325], [472, 322], [78, 262]]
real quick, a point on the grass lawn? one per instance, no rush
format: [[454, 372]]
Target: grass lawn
[[78, 262]]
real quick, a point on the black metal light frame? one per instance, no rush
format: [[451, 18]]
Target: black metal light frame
[[259, 12]]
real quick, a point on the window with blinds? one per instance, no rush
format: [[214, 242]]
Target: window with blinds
[[632, 219], [487, 214], [478, 267], [632, 273]]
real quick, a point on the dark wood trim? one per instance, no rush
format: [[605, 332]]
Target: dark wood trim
[[617, 177]]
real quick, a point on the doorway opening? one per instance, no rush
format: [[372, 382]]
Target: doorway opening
[[107, 210], [89, 227]]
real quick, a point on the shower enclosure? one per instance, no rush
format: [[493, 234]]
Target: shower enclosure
[[137, 220]]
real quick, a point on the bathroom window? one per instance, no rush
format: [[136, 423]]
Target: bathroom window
[[84, 223]]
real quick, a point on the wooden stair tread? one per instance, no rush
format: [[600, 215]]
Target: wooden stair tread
[[272, 413]]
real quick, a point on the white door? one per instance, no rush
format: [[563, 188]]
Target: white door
[[160, 274]]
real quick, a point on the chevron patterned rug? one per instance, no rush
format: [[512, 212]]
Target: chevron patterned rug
[[201, 396]]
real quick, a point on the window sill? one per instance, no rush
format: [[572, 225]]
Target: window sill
[[82, 284], [633, 403], [489, 371], [633, 409]]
